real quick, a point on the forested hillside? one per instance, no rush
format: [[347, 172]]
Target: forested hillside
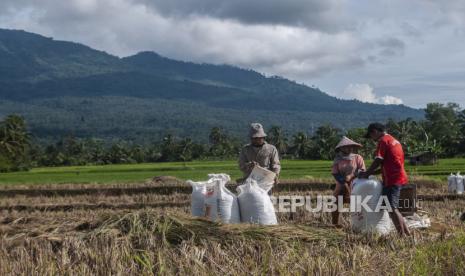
[[67, 88]]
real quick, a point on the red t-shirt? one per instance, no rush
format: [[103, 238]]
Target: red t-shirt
[[390, 151]]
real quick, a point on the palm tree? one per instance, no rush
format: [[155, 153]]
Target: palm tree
[[14, 138], [358, 135], [169, 148], [118, 153], [185, 147], [14, 144], [326, 138], [216, 136], [278, 139], [220, 144], [300, 145], [95, 151], [404, 131]]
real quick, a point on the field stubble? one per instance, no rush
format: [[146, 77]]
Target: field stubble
[[110, 237]]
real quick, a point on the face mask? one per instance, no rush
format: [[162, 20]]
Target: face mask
[[342, 156]]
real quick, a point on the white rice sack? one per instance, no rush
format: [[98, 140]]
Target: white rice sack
[[255, 204], [220, 202], [219, 176], [364, 221], [211, 197], [228, 205], [198, 198], [265, 178], [452, 183], [459, 182]]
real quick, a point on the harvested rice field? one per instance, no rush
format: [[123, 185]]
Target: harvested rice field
[[145, 228]]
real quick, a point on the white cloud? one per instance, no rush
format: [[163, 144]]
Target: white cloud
[[325, 43], [125, 27], [299, 39], [390, 100], [364, 93]]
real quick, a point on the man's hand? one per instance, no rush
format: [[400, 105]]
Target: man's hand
[[372, 170], [349, 178], [276, 181], [252, 164]]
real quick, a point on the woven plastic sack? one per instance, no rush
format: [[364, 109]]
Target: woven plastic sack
[[198, 198], [459, 182], [255, 204], [366, 221], [221, 203], [451, 183], [455, 184]]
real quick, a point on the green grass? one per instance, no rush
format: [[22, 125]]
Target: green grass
[[197, 170], [440, 258]]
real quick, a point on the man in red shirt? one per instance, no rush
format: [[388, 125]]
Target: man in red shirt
[[390, 156]]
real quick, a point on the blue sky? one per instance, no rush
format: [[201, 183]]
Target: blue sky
[[381, 51]]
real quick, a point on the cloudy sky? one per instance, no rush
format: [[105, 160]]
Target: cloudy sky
[[381, 51]]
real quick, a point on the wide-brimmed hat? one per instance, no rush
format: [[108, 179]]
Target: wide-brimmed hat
[[347, 142], [256, 130]]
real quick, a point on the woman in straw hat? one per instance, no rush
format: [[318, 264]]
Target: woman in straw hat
[[345, 167]]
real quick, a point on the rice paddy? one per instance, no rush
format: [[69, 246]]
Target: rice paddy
[[144, 227], [197, 170]]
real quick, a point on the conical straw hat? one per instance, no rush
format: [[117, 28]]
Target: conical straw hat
[[347, 142]]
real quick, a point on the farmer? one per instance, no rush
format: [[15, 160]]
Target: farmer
[[259, 152], [390, 157], [347, 164]]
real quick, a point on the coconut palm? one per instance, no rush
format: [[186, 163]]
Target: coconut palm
[[277, 138], [14, 143], [220, 145], [185, 148], [14, 138], [300, 145], [326, 138]]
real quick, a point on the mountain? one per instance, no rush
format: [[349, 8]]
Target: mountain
[[68, 88]]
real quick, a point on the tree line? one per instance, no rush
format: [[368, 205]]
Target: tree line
[[441, 132]]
